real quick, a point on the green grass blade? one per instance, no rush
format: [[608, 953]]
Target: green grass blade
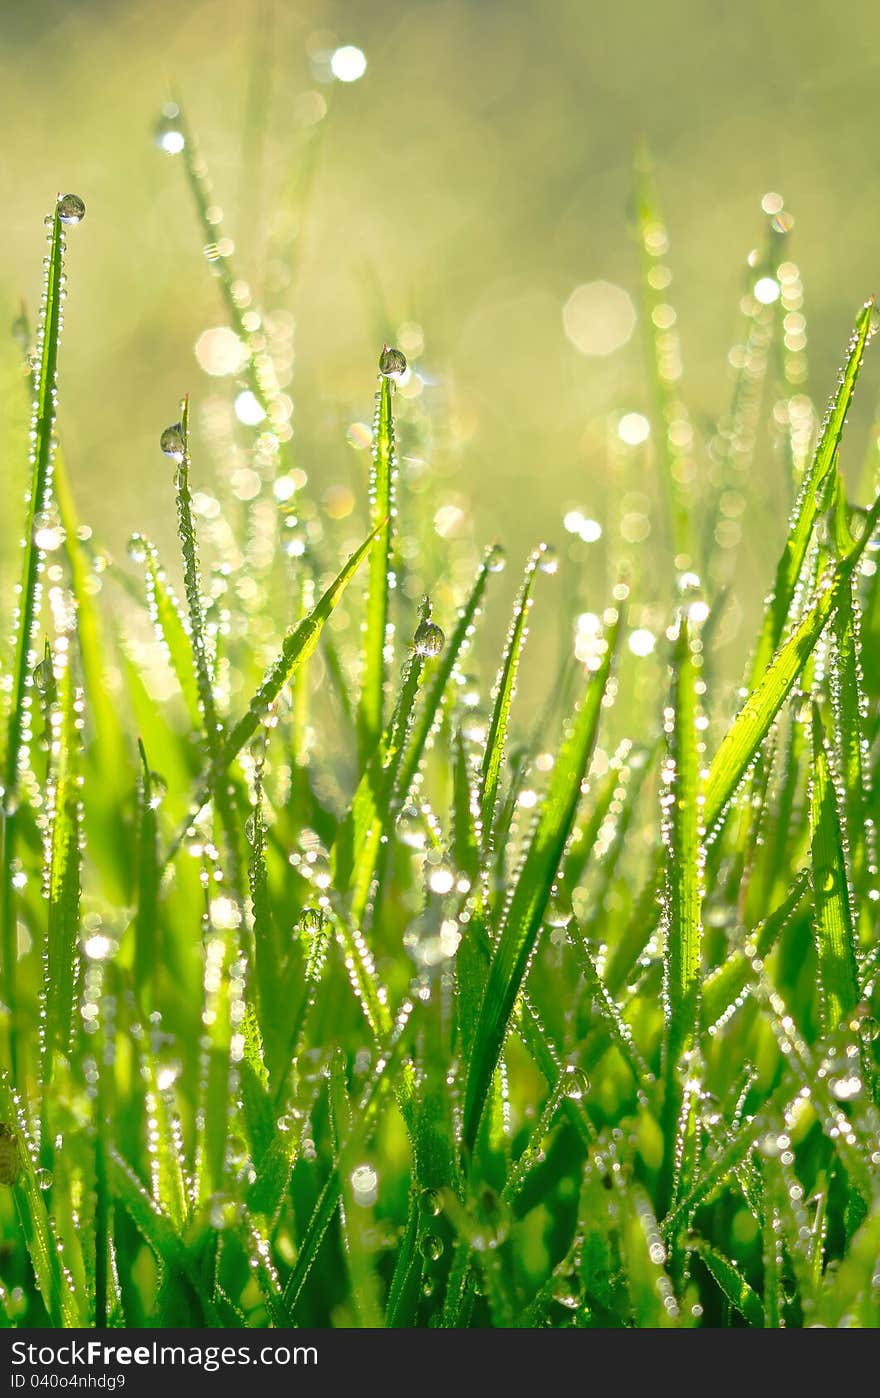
[[523, 917], [146, 922], [62, 965], [382, 478], [723, 986], [743, 739], [832, 895], [192, 585], [63, 1306], [684, 869], [298, 646], [171, 628], [505, 689], [732, 1283], [811, 498]]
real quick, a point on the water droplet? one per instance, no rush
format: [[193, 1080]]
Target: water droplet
[[312, 920], [431, 1247], [44, 1178], [549, 561], [575, 1084], [392, 363], [430, 1202], [250, 830], [71, 208], [168, 134], [136, 548], [44, 675], [172, 442], [158, 790], [497, 559], [429, 640]]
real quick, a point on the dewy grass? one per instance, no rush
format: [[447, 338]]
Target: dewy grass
[[339, 989]]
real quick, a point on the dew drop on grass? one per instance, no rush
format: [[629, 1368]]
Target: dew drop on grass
[[431, 1247], [575, 1084], [168, 134], [43, 675], [429, 1202], [312, 920], [392, 363], [158, 790], [71, 208], [549, 561], [44, 1178], [429, 639], [497, 560], [172, 442], [136, 548]]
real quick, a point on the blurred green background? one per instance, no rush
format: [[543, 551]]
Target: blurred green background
[[478, 171]]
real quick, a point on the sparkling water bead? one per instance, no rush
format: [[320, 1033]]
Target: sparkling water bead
[[429, 640], [391, 362], [168, 134], [172, 442], [71, 208]]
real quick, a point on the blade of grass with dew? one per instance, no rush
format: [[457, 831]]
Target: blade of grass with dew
[[355, 852], [684, 927], [39, 500], [723, 986], [382, 510], [749, 729], [364, 1119], [617, 1026], [192, 586], [64, 1307], [505, 689], [62, 966], [355, 1229], [299, 644], [523, 916], [832, 896], [164, 609], [849, 706], [146, 922], [731, 1282], [810, 499]]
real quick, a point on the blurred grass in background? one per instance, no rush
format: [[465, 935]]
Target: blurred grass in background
[[478, 172]]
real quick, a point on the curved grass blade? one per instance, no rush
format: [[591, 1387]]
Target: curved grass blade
[[299, 644], [751, 725], [382, 475], [522, 919], [63, 1306], [849, 706], [505, 689], [811, 497], [723, 987], [832, 895], [732, 1283]]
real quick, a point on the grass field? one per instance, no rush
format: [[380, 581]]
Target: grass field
[[343, 987]]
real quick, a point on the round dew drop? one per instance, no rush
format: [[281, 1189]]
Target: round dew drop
[[172, 442], [496, 561], [392, 363], [168, 135], [71, 208], [429, 639]]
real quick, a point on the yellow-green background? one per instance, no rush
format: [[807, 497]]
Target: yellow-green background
[[478, 172]]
